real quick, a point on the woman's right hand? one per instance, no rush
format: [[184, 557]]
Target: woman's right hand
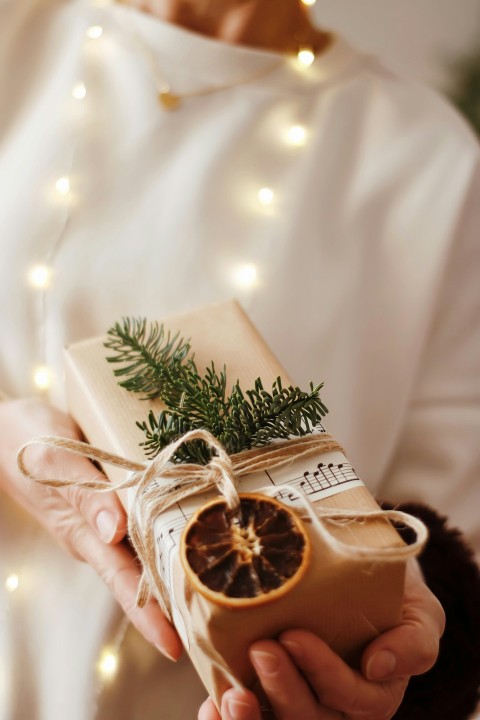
[[90, 525]]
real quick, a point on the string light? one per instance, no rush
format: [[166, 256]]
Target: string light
[[94, 32], [308, 3], [296, 135], [62, 186], [108, 664], [39, 276], [12, 582], [42, 377], [245, 275], [265, 196], [305, 57], [79, 91]]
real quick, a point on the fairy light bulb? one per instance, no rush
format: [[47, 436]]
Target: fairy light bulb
[[39, 276], [245, 275], [296, 135], [12, 582], [94, 32], [79, 91], [305, 57], [62, 186], [308, 3], [108, 664], [42, 377], [265, 196]]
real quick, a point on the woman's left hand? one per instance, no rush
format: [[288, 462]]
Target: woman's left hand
[[303, 678]]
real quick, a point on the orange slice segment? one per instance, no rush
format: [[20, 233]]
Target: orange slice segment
[[247, 557]]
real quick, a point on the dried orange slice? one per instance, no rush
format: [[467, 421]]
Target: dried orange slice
[[246, 557]]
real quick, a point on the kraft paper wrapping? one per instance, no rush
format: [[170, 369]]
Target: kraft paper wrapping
[[346, 602]]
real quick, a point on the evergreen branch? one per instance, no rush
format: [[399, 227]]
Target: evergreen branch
[[159, 365], [150, 355]]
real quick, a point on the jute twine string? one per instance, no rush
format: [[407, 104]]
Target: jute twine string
[[160, 484], [318, 517]]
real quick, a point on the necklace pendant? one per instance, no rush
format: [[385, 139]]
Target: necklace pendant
[[168, 100]]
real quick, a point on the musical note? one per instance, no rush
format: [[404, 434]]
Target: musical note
[[306, 485]]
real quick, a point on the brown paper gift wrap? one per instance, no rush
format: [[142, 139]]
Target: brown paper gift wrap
[[346, 602]]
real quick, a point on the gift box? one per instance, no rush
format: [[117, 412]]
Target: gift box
[[345, 598]]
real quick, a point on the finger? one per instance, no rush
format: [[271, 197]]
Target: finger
[[336, 685], [103, 511], [240, 705], [412, 647], [406, 650], [286, 689], [120, 572], [208, 711]]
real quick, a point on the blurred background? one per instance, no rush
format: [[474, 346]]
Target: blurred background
[[433, 41]]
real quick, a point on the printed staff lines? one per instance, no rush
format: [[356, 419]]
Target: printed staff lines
[[314, 483]]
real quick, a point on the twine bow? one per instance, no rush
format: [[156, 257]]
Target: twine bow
[[160, 484]]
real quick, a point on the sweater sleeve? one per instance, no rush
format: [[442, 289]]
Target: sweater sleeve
[[451, 689], [437, 457]]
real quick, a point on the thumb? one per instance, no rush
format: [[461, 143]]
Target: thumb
[[103, 511]]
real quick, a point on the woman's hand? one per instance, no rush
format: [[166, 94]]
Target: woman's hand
[[90, 525], [304, 679]]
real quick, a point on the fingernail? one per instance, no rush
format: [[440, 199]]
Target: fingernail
[[293, 648], [265, 662], [238, 710], [166, 653], [106, 523], [381, 665]]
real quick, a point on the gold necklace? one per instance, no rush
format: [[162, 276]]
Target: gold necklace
[[170, 100]]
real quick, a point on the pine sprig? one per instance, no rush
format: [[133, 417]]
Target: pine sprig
[[149, 355], [159, 365]]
